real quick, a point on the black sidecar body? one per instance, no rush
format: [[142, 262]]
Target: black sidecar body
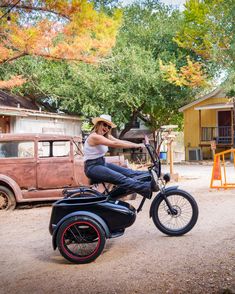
[[112, 215]]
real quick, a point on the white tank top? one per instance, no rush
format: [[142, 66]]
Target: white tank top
[[93, 152]]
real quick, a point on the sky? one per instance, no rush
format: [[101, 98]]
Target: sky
[[175, 3]]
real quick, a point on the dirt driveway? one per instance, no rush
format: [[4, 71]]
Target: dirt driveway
[[143, 260]]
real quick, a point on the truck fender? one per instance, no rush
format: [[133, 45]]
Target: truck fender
[[13, 185], [159, 195], [79, 213]]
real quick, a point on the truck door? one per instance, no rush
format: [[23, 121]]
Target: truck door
[[54, 164]]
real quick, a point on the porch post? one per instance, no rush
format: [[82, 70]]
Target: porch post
[[200, 127], [233, 123]]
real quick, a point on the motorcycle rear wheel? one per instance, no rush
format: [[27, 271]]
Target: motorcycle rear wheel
[[185, 213], [81, 239]]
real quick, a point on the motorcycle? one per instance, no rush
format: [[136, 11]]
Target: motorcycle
[[85, 218]]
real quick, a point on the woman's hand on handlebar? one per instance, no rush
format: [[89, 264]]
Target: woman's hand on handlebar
[[140, 145], [146, 140]]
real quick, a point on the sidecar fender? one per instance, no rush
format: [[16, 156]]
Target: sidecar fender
[[159, 195], [79, 213]]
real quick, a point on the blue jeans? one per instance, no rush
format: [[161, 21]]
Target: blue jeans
[[100, 171]]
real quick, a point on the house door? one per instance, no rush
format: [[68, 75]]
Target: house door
[[224, 127]]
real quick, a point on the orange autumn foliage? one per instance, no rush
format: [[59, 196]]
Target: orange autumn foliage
[[13, 82], [190, 75], [63, 29]]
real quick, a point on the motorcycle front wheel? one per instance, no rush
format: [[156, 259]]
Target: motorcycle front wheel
[[182, 216]]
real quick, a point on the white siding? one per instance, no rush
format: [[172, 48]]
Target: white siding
[[46, 125]]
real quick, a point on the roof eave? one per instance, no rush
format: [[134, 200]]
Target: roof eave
[[211, 94], [14, 111]]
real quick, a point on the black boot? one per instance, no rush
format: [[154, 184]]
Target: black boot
[[154, 185]]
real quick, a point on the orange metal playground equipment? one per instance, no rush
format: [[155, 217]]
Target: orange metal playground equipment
[[222, 173]]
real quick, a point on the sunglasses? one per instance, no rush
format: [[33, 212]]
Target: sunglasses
[[107, 126]]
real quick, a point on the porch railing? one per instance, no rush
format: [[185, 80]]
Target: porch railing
[[222, 135]]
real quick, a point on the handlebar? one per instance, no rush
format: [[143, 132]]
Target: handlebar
[[154, 157], [156, 161]]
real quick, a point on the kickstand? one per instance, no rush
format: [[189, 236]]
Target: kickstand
[[141, 204]]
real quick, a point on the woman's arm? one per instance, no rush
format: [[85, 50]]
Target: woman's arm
[[95, 139], [115, 139]]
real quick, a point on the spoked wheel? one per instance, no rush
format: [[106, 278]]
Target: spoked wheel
[[80, 239], [7, 199], [183, 216]]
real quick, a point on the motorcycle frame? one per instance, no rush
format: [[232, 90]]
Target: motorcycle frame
[[120, 193]]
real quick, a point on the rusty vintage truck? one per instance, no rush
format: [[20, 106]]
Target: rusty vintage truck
[[37, 167]]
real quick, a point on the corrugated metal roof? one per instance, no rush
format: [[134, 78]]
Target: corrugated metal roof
[[136, 134], [14, 105], [13, 111], [12, 100]]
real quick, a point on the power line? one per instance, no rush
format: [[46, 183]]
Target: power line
[[9, 10]]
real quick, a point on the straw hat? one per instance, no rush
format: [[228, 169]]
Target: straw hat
[[105, 118]]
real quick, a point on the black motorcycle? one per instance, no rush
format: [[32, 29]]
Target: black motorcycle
[[82, 221]]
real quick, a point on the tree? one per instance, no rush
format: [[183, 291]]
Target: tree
[[209, 30], [128, 83], [106, 5], [14, 81], [62, 29], [145, 38]]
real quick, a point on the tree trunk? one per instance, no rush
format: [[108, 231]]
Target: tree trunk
[[113, 151], [129, 125]]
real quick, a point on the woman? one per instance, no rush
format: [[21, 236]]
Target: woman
[[95, 147]]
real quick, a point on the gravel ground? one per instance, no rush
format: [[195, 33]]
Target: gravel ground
[[143, 260]]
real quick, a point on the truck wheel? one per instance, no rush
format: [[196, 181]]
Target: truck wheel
[[7, 199]]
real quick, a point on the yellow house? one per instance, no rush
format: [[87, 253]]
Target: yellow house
[[208, 122]]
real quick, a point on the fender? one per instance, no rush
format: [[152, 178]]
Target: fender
[[79, 213], [13, 185], [79, 191], [159, 195]]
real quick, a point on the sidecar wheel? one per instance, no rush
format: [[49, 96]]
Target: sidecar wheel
[[80, 239], [185, 213]]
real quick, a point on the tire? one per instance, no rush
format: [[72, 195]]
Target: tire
[[7, 199], [186, 213], [80, 239]]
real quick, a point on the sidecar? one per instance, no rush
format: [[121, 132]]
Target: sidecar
[[80, 226]]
